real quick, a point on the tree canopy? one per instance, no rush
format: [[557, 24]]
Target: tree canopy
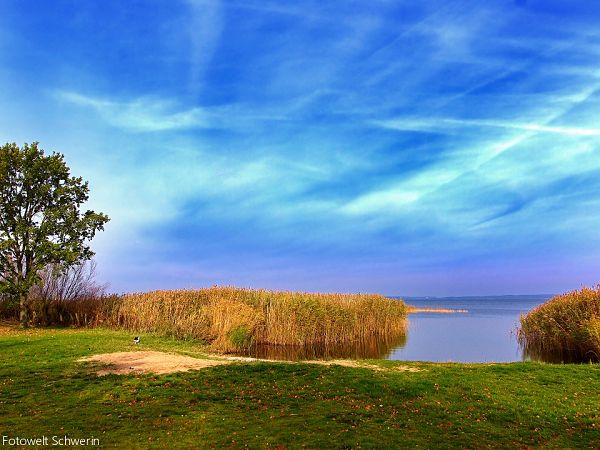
[[41, 221]]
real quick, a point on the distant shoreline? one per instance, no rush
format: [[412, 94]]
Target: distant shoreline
[[415, 309], [475, 297]]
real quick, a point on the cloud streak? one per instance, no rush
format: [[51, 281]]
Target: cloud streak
[[205, 26], [141, 114], [150, 114], [440, 124]]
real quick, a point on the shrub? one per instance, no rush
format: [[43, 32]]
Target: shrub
[[9, 307], [566, 328], [68, 296], [240, 338]]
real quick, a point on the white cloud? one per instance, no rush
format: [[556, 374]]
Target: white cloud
[[442, 124], [205, 27], [391, 199], [152, 114], [144, 114]]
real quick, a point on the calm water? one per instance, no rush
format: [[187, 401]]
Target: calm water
[[485, 334]]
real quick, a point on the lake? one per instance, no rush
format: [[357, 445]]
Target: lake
[[486, 333]]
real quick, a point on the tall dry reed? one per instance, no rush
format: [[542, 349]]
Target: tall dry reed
[[566, 328], [233, 318], [81, 311]]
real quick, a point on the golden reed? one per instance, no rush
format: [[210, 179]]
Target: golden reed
[[566, 328], [233, 318]]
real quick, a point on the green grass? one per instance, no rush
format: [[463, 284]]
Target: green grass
[[45, 391]]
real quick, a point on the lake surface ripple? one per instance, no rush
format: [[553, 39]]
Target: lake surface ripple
[[485, 333]]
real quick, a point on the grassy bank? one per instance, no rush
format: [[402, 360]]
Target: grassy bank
[[45, 391], [566, 328]]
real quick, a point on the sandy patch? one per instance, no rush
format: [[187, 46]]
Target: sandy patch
[[149, 362]]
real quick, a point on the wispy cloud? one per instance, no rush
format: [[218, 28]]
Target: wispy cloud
[[442, 124], [151, 114], [144, 114], [205, 27]]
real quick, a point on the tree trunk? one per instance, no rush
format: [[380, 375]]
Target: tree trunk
[[24, 316], [45, 312]]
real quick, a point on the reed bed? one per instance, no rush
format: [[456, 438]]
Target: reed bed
[[234, 319], [566, 328], [83, 311], [88, 311]]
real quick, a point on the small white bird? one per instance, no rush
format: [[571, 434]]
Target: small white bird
[[136, 340]]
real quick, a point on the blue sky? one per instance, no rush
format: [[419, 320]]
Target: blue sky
[[415, 148]]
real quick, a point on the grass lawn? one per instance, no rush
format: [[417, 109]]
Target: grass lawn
[[45, 391]]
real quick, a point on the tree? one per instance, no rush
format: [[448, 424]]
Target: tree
[[40, 219]]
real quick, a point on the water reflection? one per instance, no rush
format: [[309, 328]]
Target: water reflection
[[549, 357], [375, 348], [485, 334]]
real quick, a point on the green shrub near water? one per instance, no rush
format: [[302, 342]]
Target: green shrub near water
[[241, 337], [566, 328]]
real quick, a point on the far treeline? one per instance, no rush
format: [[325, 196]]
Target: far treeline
[[47, 278]]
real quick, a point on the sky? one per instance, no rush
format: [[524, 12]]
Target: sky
[[399, 147]]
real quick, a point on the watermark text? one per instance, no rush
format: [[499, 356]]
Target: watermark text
[[49, 441]]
